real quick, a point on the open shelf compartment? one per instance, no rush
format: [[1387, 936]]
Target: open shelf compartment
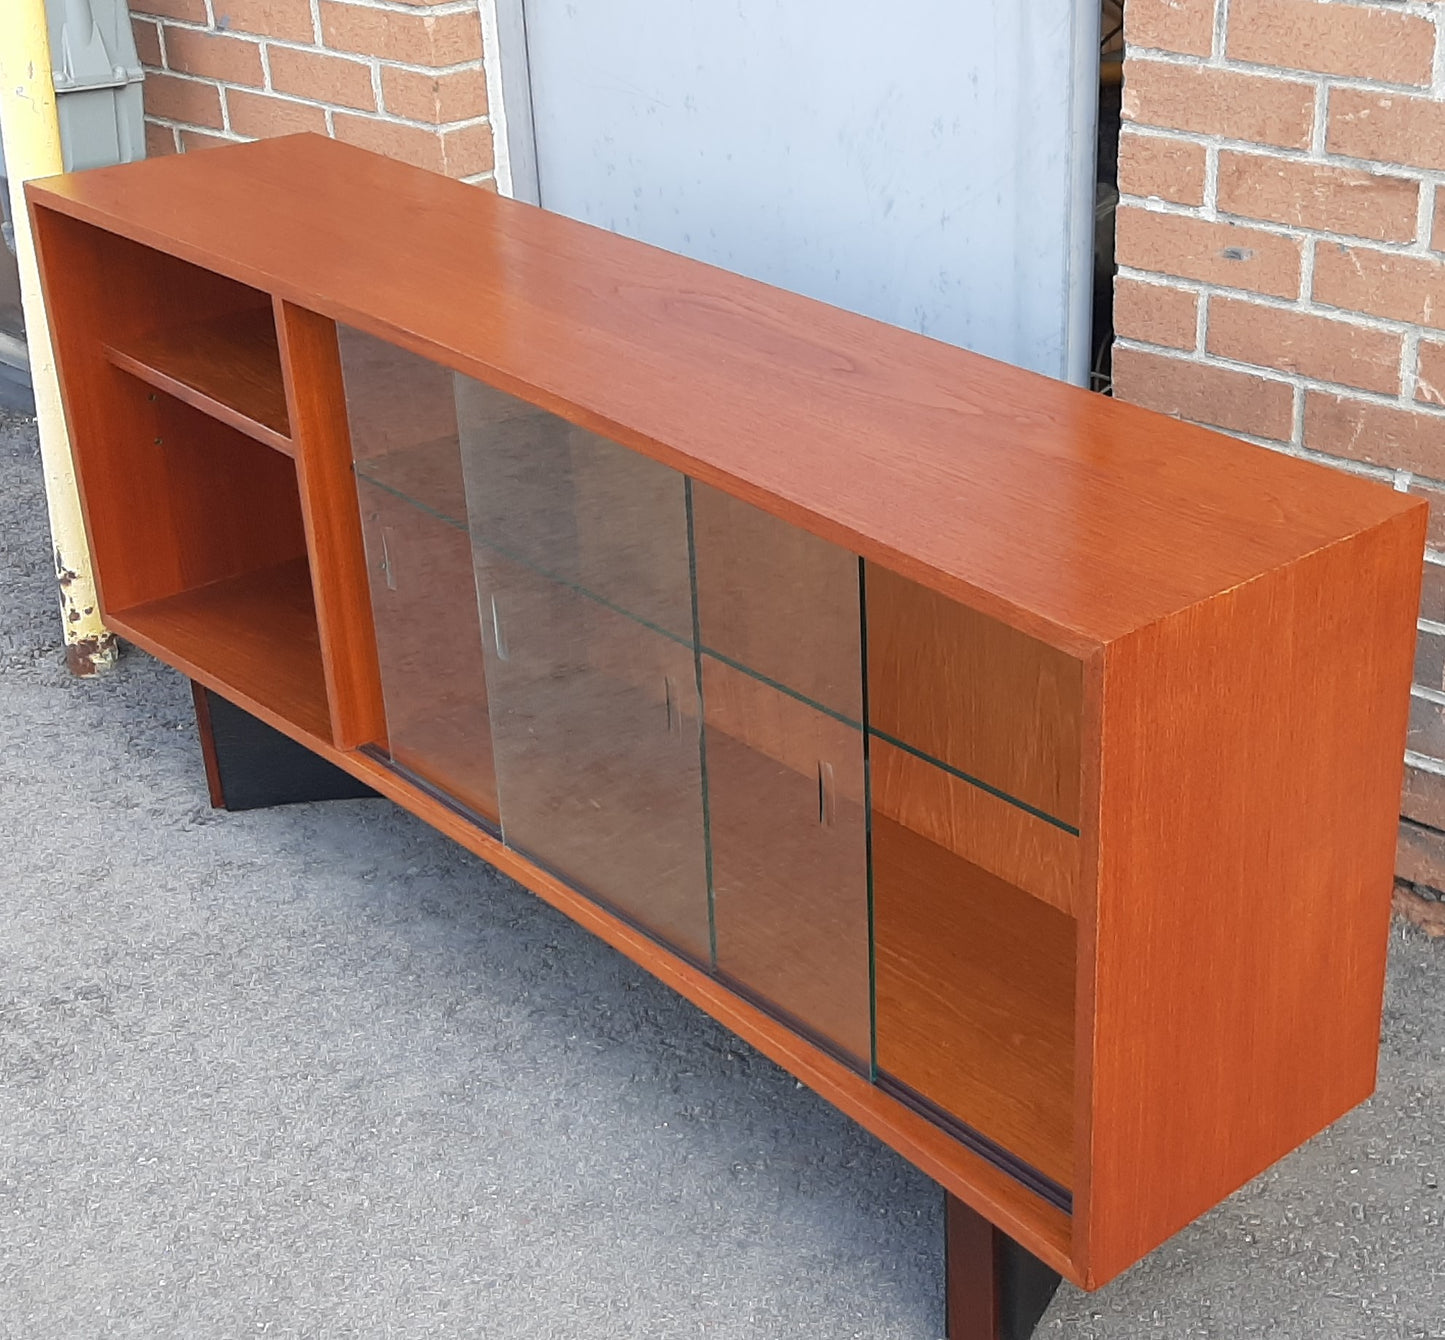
[[174, 388], [219, 582], [227, 366], [253, 635]]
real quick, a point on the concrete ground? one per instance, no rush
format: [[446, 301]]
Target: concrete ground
[[318, 1072]]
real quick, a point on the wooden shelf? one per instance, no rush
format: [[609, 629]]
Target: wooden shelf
[[251, 637], [228, 367]]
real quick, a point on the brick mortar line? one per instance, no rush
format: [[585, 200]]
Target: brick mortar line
[[1410, 365], [1371, 167], [1425, 764], [389, 64], [168, 123], [1380, 474], [391, 118], [1425, 214], [1295, 380], [1345, 316], [1386, 323], [1308, 307], [1154, 205], [376, 113], [171, 124], [1296, 413], [316, 47], [1301, 381], [1408, 477], [1360, 469], [357, 58], [445, 9], [1374, 167], [1319, 131], [1158, 277], [1281, 74], [1438, 82]]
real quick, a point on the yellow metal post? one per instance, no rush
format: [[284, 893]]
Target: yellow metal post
[[31, 129]]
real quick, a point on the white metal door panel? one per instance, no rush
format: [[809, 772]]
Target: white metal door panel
[[929, 163]]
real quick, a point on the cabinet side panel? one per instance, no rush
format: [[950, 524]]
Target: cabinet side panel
[[1250, 785]]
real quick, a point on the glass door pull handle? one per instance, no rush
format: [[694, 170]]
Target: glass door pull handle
[[501, 642], [827, 795]]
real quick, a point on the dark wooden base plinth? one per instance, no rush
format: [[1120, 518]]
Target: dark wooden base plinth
[[251, 766], [995, 1289]]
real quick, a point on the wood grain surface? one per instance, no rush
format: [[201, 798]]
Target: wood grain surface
[[316, 403], [1018, 847], [172, 497], [779, 601], [974, 693], [1076, 518], [975, 997], [1251, 768], [252, 638], [227, 366]]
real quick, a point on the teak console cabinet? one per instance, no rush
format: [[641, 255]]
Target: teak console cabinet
[[1017, 768]]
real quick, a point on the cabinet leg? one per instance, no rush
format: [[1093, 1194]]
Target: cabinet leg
[[251, 766], [995, 1290]]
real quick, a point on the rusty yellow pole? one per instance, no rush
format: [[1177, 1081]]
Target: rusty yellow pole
[[31, 129]]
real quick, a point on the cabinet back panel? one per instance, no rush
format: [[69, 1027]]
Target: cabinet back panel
[[974, 693], [778, 600], [1016, 846], [215, 503], [975, 997]]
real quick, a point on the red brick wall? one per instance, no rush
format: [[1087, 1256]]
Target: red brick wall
[[403, 77], [1282, 263]]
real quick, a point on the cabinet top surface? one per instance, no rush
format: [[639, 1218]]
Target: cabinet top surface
[[1077, 517]]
